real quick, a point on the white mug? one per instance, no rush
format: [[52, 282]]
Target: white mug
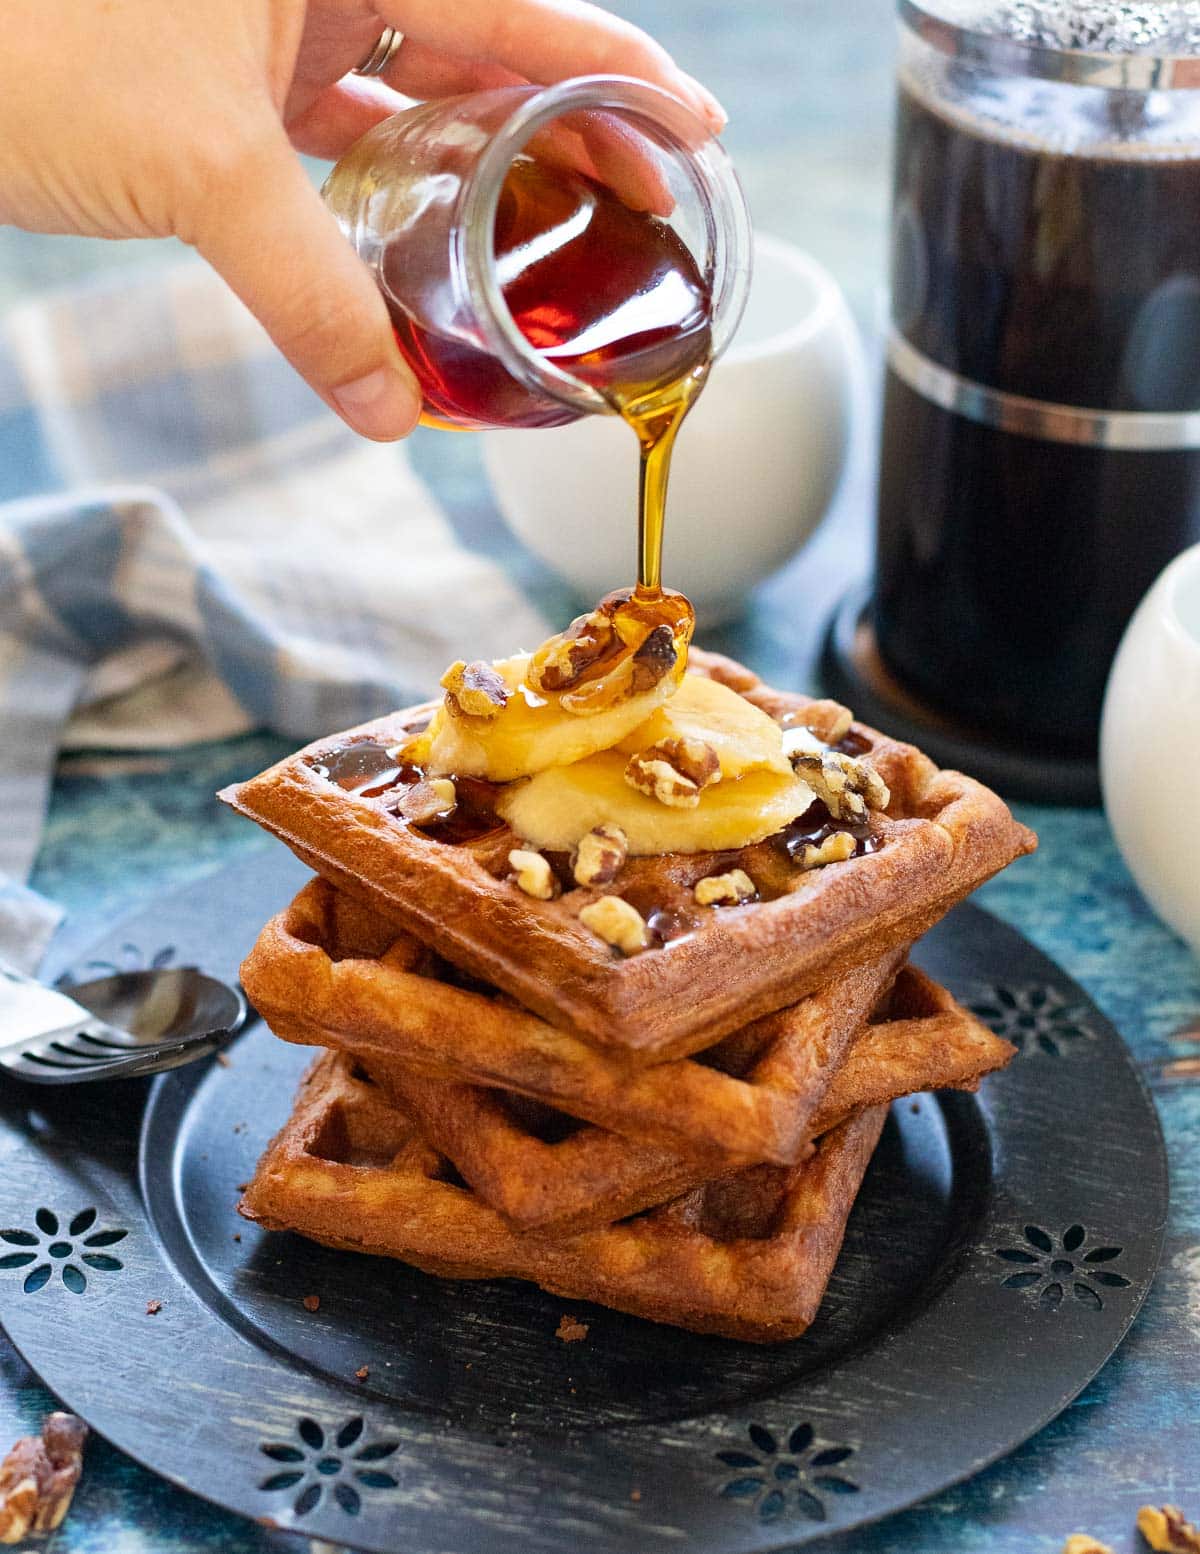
[[1150, 746], [755, 469]]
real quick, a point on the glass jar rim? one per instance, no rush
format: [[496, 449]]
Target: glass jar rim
[[974, 46], [671, 124]]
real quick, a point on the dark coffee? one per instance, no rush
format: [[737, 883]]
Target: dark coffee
[[1008, 565]]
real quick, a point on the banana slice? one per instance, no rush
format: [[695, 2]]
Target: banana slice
[[532, 733], [743, 736], [559, 805]]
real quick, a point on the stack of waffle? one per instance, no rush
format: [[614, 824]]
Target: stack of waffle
[[679, 1133]]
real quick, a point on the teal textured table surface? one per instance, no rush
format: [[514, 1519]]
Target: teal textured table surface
[[808, 87]]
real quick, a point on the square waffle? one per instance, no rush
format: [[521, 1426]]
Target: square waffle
[[748, 1257], [543, 1169], [329, 972], [715, 970]]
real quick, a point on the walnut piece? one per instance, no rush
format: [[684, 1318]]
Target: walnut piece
[[674, 771], [849, 788], [474, 689], [600, 856], [38, 1478], [1081, 1543], [1165, 1528], [655, 659], [617, 923], [692, 758], [427, 801], [834, 849], [563, 660], [725, 889], [532, 874]]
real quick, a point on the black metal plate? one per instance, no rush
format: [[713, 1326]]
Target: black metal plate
[[995, 1259]]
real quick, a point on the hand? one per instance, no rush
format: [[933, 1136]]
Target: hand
[[139, 118]]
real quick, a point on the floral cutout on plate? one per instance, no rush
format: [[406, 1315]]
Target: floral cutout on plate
[[796, 1475], [70, 1253], [338, 1463], [1049, 1268], [1034, 1018]]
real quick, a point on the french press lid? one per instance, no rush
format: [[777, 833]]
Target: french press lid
[[1137, 47]]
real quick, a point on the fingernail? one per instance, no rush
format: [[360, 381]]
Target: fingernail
[[710, 109], [380, 405]]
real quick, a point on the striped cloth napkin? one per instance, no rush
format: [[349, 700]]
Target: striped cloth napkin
[[191, 545]]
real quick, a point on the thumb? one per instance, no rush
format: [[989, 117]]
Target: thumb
[[270, 236]]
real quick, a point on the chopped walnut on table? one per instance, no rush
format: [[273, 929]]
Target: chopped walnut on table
[[38, 1478], [475, 689], [674, 771], [1165, 1528], [600, 856], [618, 923], [849, 788], [532, 874], [725, 889], [427, 801]]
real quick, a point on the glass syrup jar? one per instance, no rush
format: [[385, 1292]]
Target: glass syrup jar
[[546, 251]]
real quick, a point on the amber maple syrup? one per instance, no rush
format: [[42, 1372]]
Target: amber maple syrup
[[613, 297], [610, 295]]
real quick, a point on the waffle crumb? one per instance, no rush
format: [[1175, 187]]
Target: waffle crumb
[[153, 1307], [725, 889], [570, 1330], [1165, 1529], [635, 1494], [1082, 1543], [532, 874], [362, 1373], [312, 1303], [618, 923]]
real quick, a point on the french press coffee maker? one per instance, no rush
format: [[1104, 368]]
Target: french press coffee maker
[[1040, 453]]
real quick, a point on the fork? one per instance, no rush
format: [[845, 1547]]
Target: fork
[[117, 1027]]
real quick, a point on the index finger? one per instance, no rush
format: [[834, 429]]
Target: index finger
[[549, 40]]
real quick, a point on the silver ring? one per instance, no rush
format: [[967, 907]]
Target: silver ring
[[1139, 430], [382, 54]]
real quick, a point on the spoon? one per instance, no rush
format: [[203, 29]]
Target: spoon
[[122, 1026]]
